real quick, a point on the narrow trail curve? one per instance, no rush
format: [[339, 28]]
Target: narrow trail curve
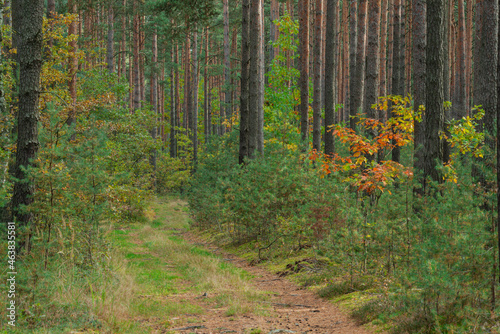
[[292, 309]]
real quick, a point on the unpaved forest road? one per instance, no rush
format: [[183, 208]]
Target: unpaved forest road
[[293, 309], [173, 268]]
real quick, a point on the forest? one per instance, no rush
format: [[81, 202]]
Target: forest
[[215, 166]]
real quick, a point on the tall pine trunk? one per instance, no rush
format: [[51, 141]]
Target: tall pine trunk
[[304, 70], [359, 75], [419, 41], [318, 45], [173, 107], [396, 65], [244, 150], [434, 89], [330, 80], [372, 60], [110, 50], [205, 90], [227, 63], [352, 63], [194, 118], [27, 19]]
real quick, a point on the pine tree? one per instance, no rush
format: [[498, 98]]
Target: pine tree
[[434, 91], [27, 21]]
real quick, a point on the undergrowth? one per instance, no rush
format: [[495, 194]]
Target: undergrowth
[[405, 262]]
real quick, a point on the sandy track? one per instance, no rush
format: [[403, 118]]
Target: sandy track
[[291, 309]]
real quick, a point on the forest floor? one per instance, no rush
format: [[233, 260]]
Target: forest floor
[[185, 285]]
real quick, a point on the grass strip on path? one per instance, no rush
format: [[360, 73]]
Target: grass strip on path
[[172, 276]]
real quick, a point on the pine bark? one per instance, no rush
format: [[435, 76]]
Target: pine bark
[[154, 93], [28, 17], [372, 59], [318, 46], [434, 89], [205, 90], [383, 52], [419, 45], [304, 70], [357, 88], [110, 50], [245, 73], [255, 76], [173, 107], [485, 75], [227, 63], [352, 62], [330, 66], [260, 127], [194, 119], [136, 72], [459, 105], [124, 41], [177, 94], [468, 66], [396, 66]]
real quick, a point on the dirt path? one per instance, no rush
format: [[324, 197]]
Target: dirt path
[[183, 285], [292, 309]]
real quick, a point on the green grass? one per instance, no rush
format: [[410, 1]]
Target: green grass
[[165, 268]]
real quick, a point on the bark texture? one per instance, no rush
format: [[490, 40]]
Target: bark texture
[[28, 15], [318, 46], [330, 66], [352, 62], [304, 69], [434, 115], [419, 41]]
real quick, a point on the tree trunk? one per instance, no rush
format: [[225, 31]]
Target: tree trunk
[[304, 70], [194, 121], [447, 73], [498, 145], [468, 99], [173, 146], [255, 76], [51, 11], [396, 65], [124, 40], [419, 41], [318, 46], [330, 65], [390, 48], [154, 94], [28, 17], [485, 75], [227, 63], [434, 89], [110, 50], [359, 75], [402, 46], [459, 105], [188, 89], [136, 74], [205, 90], [245, 67], [372, 60], [260, 109], [352, 63], [177, 93], [383, 52]]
